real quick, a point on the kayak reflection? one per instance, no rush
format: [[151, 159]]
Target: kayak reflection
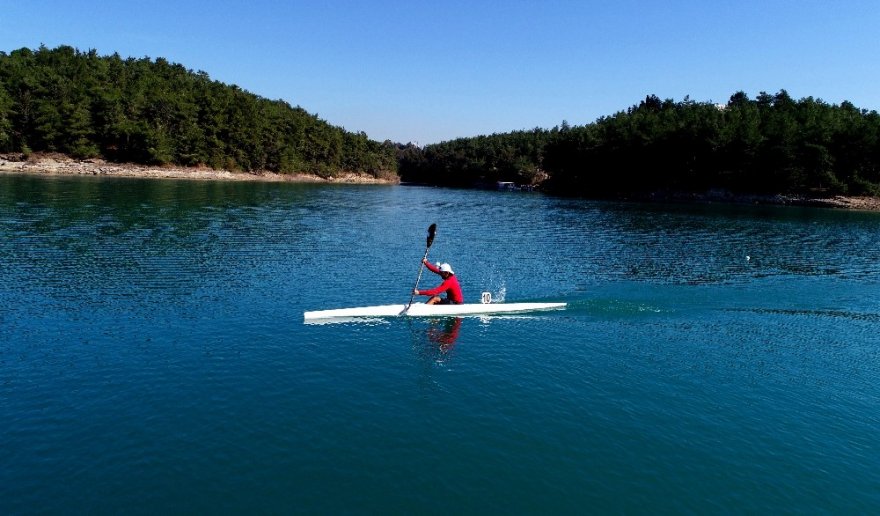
[[444, 332]]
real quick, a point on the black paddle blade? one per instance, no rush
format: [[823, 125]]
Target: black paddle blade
[[431, 230]]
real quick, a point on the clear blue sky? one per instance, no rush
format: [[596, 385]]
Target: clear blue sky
[[437, 70]]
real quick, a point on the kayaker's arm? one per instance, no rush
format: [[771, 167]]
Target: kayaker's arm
[[434, 291], [431, 267]]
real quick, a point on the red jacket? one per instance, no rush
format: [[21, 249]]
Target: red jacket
[[450, 286]]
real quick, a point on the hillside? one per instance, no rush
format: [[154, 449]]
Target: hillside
[[769, 145], [154, 112]]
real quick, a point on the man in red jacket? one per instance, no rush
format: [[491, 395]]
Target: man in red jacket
[[450, 286]]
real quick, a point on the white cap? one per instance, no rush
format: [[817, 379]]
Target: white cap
[[445, 267]]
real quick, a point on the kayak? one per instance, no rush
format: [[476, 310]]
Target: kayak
[[486, 307], [423, 310]]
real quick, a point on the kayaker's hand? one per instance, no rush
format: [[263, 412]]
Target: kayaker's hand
[[425, 261], [415, 291]]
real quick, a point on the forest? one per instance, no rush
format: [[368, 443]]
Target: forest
[[772, 144], [155, 112]]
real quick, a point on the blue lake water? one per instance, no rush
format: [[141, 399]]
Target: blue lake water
[[154, 359]]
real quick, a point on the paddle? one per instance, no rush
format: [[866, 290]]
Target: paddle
[[431, 230]]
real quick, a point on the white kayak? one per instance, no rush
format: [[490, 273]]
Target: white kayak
[[423, 310]]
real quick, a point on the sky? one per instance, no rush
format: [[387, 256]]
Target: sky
[[426, 72]]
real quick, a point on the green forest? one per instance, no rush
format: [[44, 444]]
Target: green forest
[[772, 144], [155, 112]]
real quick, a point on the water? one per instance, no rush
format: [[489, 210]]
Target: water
[[153, 357]]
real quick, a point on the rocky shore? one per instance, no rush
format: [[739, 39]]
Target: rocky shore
[[59, 165], [861, 203], [850, 203]]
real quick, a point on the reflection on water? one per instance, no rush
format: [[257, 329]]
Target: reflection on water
[[434, 339], [444, 332]]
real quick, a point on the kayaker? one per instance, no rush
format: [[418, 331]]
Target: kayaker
[[449, 286]]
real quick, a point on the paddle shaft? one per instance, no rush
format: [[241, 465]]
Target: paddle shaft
[[431, 231], [418, 278]]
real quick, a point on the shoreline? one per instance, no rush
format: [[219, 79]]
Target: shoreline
[[58, 165], [843, 202]]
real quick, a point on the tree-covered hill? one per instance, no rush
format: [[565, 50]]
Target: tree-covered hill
[[516, 156], [155, 112], [770, 145]]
